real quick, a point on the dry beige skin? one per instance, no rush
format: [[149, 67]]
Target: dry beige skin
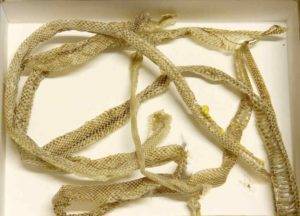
[[142, 35]]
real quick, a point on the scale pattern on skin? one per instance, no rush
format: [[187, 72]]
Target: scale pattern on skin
[[142, 35]]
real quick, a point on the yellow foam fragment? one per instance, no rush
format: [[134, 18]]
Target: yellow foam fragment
[[205, 110]]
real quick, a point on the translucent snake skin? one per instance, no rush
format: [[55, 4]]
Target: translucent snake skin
[[141, 36]]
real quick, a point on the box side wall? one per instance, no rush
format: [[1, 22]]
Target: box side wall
[[204, 10], [3, 31], [294, 76]]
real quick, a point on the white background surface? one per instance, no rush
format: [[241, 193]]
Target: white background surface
[[64, 103]]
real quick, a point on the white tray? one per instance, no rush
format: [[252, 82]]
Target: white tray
[[63, 103]]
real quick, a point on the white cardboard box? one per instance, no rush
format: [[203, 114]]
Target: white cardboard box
[[58, 109]]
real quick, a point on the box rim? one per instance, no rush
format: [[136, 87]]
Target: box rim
[[293, 41]]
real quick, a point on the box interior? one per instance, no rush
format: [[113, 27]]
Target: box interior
[[65, 102]]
